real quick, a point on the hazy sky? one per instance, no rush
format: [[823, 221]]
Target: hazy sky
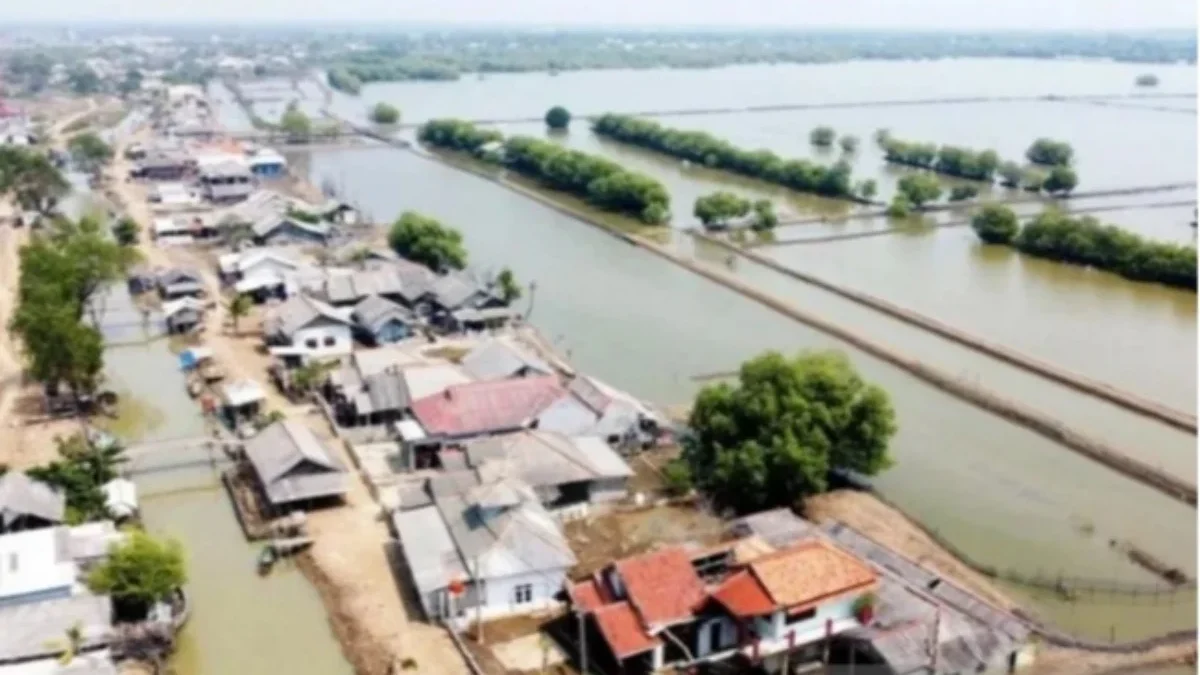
[[898, 14]]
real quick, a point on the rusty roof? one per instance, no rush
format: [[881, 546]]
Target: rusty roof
[[623, 632], [662, 585], [811, 572], [743, 596]]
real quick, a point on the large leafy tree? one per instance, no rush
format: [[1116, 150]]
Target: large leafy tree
[[996, 224], [138, 573], [426, 240], [89, 151], [920, 188], [718, 208], [81, 470], [30, 179], [558, 117], [771, 439], [385, 113], [295, 123]]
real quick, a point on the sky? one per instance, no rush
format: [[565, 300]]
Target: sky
[[864, 14]]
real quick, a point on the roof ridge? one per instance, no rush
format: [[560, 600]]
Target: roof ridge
[[584, 464]]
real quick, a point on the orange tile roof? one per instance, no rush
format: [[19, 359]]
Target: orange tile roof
[[623, 632], [810, 573], [588, 595], [662, 585], [743, 596]]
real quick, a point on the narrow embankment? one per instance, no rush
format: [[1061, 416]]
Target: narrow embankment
[[1023, 198], [1016, 412], [1106, 392], [888, 231]]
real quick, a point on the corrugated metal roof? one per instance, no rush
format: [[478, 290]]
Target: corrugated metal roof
[[26, 629], [300, 311], [544, 458], [453, 290], [482, 407], [499, 359], [374, 312], [21, 495], [428, 549], [283, 447]]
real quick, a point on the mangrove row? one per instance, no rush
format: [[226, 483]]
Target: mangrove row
[[986, 165], [1056, 235], [601, 182], [705, 149]]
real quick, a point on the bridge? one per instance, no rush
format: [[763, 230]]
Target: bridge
[[179, 453]]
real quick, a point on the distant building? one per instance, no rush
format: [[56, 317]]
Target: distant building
[[294, 467], [304, 327], [268, 164], [379, 321], [226, 182]]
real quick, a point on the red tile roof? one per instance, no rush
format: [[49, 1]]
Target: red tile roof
[[810, 573], [588, 595], [743, 596], [662, 586], [480, 407], [623, 632]]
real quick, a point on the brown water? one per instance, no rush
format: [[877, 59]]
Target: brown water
[[1002, 493]]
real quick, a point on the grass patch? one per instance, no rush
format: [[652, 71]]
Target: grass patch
[[450, 353]]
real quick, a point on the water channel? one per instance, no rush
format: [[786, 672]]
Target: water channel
[[240, 622], [1002, 493]]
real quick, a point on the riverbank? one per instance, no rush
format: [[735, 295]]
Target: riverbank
[[1036, 421]]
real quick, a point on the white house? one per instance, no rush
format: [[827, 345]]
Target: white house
[[265, 272], [304, 327]]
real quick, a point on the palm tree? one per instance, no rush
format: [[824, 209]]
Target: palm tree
[[309, 376], [239, 307]]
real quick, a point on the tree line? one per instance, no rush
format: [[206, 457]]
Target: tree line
[[705, 149], [1056, 235], [426, 240], [342, 80], [717, 209], [601, 182]]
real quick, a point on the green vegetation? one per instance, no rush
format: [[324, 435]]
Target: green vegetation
[[31, 180], [773, 438], [717, 209], [126, 231], [919, 189], [707, 150], [295, 123], [131, 84], [343, 81], [996, 224], [81, 470], [867, 189], [239, 308], [849, 144], [385, 113], [558, 118], [900, 207], [84, 81], [1060, 181], [950, 160], [62, 270], [427, 241], [822, 137], [603, 183], [138, 573], [506, 282], [1011, 174], [961, 193], [88, 151], [1147, 80], [1085, 241], [1049, 152], [677, 478], [764, 217]]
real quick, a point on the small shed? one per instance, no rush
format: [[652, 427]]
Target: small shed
[[177, 283], [183, 315], [380, 321], [266, 163], [242, 400], [294, 467]]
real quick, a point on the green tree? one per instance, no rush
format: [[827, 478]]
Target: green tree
[[1011, 174], [385, 113], [1032, 180], [764, 216], [961, 193], [239, 308], [867, 189], [849, 144], [83, 80], [80, 472], [89, 151], [718, 208], [1050, 152], [996, 224], [899, 207], [309, 377], [506, 282], [772, 438], [295, 123], [558, 117], [138, 573], [126, 231], [31, 180], [883, 137], [822, 137], [427, 241], [1061, 180], [132, 82], [920, 188]]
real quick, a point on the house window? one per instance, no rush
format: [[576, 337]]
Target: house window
[[803, 616], [523, 593], [330, 341], [311, 343]]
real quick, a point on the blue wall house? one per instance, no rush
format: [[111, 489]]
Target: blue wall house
[[380, 321], [267, 163]]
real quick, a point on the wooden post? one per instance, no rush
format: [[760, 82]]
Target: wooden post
[[478, 603], [828, 639], [583, 654]]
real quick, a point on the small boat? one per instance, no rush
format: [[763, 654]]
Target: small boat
[[266, 559]]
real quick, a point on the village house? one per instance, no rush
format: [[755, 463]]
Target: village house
[[178, 283], [294, 467], [268, 273], [183, 315], [501, 359], [456, 301], [378, 387], [241, 401], [268, 164], [172, 196], [163, 165], [227, 181], [279, 229], [400, 281], [27, 504], [179, 230], [304, 327], [479, 544], [379, 321]]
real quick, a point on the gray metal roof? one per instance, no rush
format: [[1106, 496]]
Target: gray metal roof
[[489, 530], [26, 629], [778, 527], [374, 312], [453, 290], [567, 415], [226, 169], [300, 311], [21, 495], [285, 446], [177, 274], [429, 550], [499, 358], [545, 458], [386, 390], [267, 224]]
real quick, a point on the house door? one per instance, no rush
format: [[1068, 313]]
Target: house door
[[714, 636]]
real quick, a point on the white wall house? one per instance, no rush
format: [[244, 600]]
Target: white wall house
[[304, 327]]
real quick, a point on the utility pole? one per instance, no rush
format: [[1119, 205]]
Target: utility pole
[[478, 602], [583, 654]]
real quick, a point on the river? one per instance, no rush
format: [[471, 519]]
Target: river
[[240, 622], [1002, 493]]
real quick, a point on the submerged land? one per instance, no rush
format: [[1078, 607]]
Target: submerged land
[[977, 497]]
